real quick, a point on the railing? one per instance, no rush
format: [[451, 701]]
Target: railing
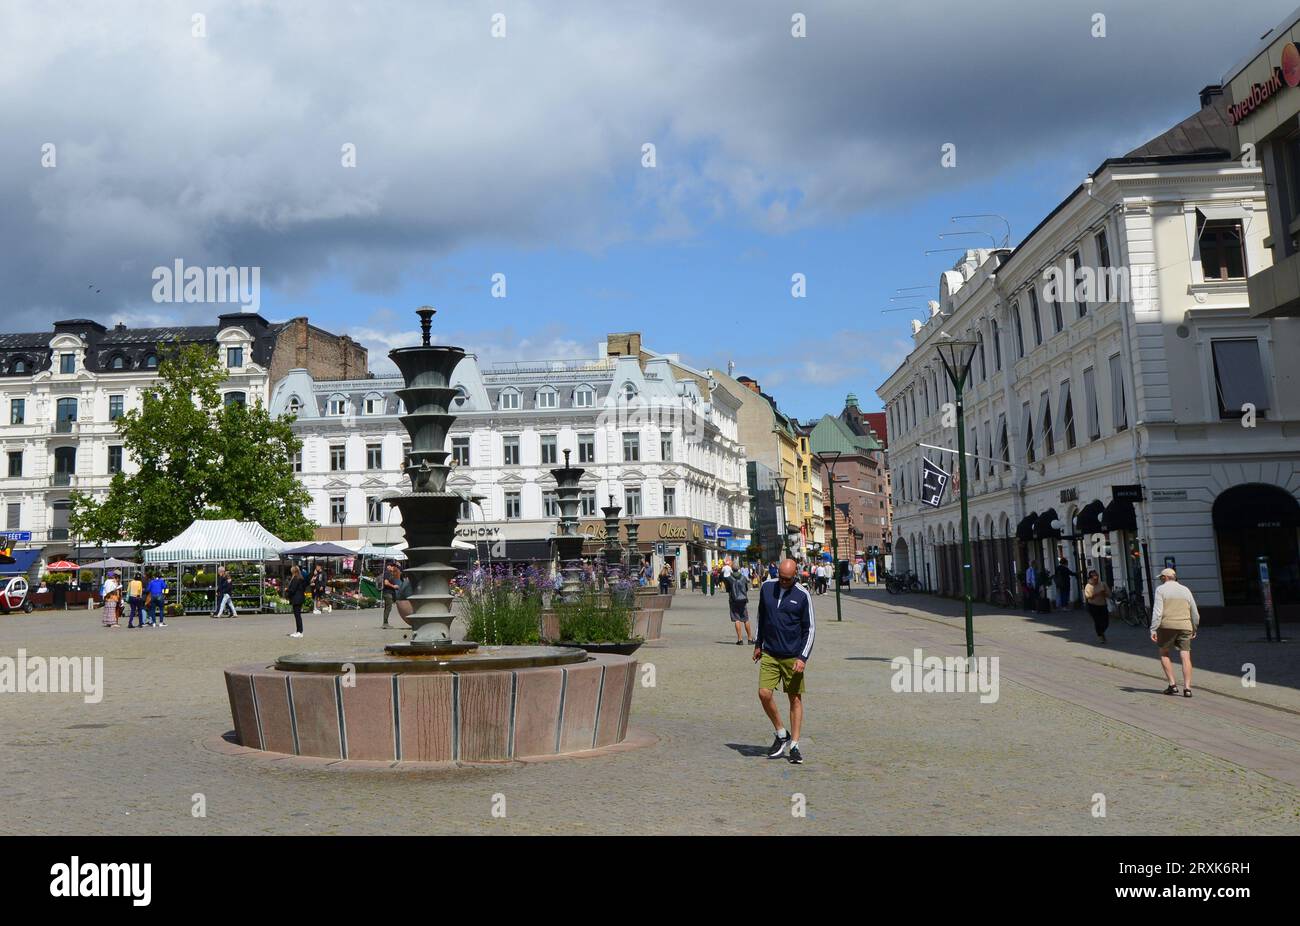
[[66, 426], [63, 479], [57, 533], [549, 366]]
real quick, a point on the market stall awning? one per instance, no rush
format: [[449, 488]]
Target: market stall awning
[[22, 563], [1025, 529], [111, 563], [397, 553], [318, 548], [217, 541]]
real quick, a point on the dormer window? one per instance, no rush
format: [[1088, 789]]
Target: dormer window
[[20, 366], [118, 363], [374, 404], [546, 398], [461, 396], [629, 392], [295, 405], [234, 358], [67, 363], [338, 405], [584, 397], [508, 400], [151, 362]]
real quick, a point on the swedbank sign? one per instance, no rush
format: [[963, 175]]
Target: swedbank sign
[[1260, 92], [649, 529]]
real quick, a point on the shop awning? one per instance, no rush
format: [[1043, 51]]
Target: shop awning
[[1119, 516], [1088, 520], [1043, 529], [1025, 529], [22, 564]]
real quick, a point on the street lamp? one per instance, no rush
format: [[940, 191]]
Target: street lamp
[[834, 457], [784, 538], [957, 355]]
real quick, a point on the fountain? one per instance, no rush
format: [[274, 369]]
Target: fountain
[[433, 698], [568, 543]]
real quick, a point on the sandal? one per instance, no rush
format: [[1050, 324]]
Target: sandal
[[1171, 690], [1187, 692]]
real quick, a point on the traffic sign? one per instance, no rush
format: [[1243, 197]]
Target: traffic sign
[[17, 536]]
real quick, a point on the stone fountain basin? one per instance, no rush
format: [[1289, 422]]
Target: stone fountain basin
[[413, 658]]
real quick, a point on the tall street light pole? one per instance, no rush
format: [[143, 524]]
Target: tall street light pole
[[957, 355], [834, 457], [784, 538]]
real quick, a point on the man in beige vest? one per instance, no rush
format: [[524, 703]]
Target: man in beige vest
[[1174, 621]]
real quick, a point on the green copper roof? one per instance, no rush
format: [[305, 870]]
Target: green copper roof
[[833, 434]]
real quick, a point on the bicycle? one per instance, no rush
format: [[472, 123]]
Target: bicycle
[[1127, 608], [894, 584], [1001, 595], [912, 582]]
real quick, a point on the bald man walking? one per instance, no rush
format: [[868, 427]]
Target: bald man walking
[[782, 648]]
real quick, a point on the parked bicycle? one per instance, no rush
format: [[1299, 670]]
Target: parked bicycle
[[1128, 607], [1001, 594]]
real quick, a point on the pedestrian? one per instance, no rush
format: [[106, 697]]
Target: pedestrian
[[1095, 596], [1030, 587], [665, 579], [135, 598], [785, 640], [738, 605], [225, 589], [1174, 623], [296, 592], [1062, 578], [112, 592], [771, 570], [156, 601], [317, 588], [392, 582]]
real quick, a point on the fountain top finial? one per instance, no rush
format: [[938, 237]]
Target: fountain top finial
[[611, 499], [426, 314], [566, 459]]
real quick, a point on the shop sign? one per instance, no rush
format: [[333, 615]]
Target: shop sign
[[1288, 75], [1168, 495], [1128, 493], [1069, 495]]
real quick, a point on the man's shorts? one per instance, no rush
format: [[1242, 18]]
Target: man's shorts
[[738, 609], [773, 671], [1172, 637]]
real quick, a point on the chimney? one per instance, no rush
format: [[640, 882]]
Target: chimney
[[1208, 94]]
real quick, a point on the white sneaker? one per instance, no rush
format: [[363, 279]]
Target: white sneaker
[[295, 634]]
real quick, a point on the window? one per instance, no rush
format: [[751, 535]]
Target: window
[[374, 405], [1079, 290], [546, 398], [1103, 262], [374, 456], [1049, 439], [235, 398], [510, 450], [15, 464], [234, 357], [465, 510], [151, 361], [114, 460], [13, 516], [588, 501], [988, 442], [460, 451], [586, 448], [925, 397], [461, 396], [512, 506], [807, 502], [295, 405], [65, 415], [584, 397], [979, 352], [338, 458], [1238, 376], [374, 510], [670, 502], [118, 363], [997, 346], [65, 465], [67, 363], [20, 366], [1027, 425], [338, 405], [1033, 311], [632, 502], [666, 446], [297, 462], [114, 407], [1058, 318], [338, 509], [1223, 255], [1065, 411], [629, 392], [631, 448], [1090, 404], [1118, 408], [550, 505], [508, 400], [17, 411], [549, 450]]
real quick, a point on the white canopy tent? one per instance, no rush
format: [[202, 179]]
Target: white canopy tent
[[218, 541]]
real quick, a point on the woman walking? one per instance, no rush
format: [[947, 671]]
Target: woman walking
[[296, 591], [1095, 595], [317, 588]]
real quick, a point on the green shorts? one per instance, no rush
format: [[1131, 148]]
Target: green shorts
[[1172, 638], [773, 671]]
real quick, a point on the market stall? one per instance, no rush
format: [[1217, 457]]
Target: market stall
[[243, 547]]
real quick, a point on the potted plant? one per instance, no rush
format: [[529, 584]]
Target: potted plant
[[502, 611], [597, 624]]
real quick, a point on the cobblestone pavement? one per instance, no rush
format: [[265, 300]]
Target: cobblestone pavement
[[877, 761]]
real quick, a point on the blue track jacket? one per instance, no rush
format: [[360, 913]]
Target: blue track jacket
[[785, 621]]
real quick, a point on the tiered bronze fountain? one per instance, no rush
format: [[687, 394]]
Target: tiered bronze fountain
[[433, 698]]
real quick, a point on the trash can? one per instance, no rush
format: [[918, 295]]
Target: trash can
[[59, 591]]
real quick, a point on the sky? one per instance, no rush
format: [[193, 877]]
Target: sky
[[372, 158]]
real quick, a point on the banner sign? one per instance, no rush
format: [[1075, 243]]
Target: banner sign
[[933, 482]]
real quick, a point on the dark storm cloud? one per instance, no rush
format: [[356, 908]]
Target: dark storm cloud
[[226, 149]]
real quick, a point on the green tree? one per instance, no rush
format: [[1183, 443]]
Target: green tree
[[198, 458]]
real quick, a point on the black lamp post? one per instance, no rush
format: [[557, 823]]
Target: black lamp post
[[956, 355], [828, 459]]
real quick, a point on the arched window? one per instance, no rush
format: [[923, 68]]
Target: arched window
[[295, 405], [508, 399], [119, 362], [373, 404], [629, 392], [338, 405], [547, 397], [236, 398], [20, 366], [151, 361], [584, 396]]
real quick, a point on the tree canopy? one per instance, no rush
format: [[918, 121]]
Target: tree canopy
[[197, 458]]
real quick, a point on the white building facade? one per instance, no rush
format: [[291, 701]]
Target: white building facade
[[1074, 405]]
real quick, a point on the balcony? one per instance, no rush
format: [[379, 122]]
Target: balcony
[[58, 533], [64, 427], [60, 480]]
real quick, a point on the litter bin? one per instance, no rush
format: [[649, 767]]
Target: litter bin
[[59, 591]]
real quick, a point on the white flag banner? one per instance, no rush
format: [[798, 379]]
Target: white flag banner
[[933, 482]]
